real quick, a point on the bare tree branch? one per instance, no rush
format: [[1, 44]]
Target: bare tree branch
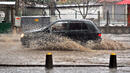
[[83, 8], [58, 11], [44, 12], [80, 10], [86, 10], [86, 7]]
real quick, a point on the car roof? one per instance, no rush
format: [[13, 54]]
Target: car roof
[[73, 20]]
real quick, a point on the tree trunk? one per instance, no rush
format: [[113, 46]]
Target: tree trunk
[[18, 7], [52, 7]]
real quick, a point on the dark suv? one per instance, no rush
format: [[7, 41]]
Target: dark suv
[[81, 30]]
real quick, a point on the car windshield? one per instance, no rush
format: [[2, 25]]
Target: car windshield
[[59, 26]]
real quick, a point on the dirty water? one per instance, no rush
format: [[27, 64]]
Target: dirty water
[[64, 70], [12, 52], [55, 42]]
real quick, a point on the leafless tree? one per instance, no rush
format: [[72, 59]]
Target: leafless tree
[[19, 5], [85, 6], [51, 5]]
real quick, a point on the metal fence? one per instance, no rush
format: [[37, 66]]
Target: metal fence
[[113, 20], [100, 19]]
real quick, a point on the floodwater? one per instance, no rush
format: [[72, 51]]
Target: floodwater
[[11, 52], [64, 70], [55, 42]]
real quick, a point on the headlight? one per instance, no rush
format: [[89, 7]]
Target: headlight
[[22, 35]]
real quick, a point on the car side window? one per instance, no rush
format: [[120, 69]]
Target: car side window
[[84, 26], [75, 26], [91, 26], [78, 26], [59, 26]]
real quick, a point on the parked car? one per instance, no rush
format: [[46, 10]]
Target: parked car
[[81, 30]]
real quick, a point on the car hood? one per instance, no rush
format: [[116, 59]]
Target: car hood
[[36, 30]]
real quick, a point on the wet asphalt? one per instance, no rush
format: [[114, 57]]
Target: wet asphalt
[[64, 70], [13, 55]]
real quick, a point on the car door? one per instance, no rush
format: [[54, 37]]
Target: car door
[[93, 31], [60, 28], [78, 30]]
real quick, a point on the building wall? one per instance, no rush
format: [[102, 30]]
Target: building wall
[[117, 14], [67, 13], [116, 11], [32, 12]]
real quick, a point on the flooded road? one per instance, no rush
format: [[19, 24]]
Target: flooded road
[[11, 52], [65, 70], [124, 38]]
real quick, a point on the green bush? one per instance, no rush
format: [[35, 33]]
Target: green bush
[[5, 27]]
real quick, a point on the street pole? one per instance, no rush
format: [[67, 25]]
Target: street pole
[[52, 8], [75, 14], [12, 17], [18, 7], [18, 12], [98, 18], [104, 9]]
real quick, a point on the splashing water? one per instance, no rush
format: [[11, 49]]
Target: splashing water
[[56, 42], [106, 44]]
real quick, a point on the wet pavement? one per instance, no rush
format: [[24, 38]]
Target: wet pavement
[[64, 70], [119, 37], [13, 53]]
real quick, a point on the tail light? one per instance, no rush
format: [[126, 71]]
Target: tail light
[[99, 34]]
